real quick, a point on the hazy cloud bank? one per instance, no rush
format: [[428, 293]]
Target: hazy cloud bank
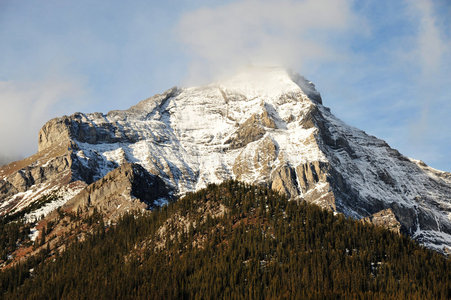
[[26, 106]]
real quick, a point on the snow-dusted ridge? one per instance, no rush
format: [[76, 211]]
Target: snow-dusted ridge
[[264, 126]]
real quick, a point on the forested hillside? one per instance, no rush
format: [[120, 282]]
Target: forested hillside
[[233, 241]]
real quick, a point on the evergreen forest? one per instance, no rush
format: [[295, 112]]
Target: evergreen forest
[[231, 241]]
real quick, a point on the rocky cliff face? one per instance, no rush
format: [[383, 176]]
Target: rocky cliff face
[[24, 182], [127, 188], [262, 126]]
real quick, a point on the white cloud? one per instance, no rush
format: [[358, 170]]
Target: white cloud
[[431, 46], [26, 106], [431, 53], [267, 32]]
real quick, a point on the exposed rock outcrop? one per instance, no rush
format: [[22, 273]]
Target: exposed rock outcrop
[[256, 160], [310, 173], [54, 132], [283, 180], [385, 218], [251, 130], [128, 188], [21, 182]]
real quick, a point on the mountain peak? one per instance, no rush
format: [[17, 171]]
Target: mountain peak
[[268, 82], [264, 125]]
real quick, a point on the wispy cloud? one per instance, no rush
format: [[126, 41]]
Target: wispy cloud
[[431, 44], [267, 32], [432, 54]]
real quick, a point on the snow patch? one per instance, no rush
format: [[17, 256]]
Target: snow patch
[[62, 196], [34, 233]]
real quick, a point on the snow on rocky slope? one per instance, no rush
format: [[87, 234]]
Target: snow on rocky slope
[[263, 126]]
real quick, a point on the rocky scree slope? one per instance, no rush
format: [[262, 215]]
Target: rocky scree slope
[[263, 126]]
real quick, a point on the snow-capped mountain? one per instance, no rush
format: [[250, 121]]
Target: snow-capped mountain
[[261, 126]]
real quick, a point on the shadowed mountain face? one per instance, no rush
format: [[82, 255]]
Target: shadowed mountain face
[[263, 126]]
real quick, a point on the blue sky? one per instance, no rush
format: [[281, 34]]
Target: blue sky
[[382, 66]]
